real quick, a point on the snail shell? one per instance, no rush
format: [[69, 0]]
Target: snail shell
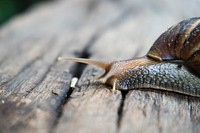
[[172, 63], [179, 43]]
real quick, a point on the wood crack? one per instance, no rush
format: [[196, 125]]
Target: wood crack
[[79, 67], [120, 109], [77, 70]]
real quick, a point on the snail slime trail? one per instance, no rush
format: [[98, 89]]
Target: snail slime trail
[[164, 67]]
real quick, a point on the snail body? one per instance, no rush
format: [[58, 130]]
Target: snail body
[[172, 63]]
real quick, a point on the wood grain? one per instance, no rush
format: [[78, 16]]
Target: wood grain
[[35, 93]]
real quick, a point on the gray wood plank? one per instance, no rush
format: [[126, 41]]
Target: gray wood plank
[[35, 93], [31, 72], [157, 111], [139, 111]]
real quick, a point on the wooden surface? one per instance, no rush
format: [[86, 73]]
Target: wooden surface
[[35, 93]]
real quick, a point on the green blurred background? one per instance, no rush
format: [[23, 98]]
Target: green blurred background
[[8, 8]]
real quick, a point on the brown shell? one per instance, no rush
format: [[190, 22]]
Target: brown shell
[[180, 42]]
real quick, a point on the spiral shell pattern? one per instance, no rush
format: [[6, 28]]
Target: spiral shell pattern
[[181, 42]]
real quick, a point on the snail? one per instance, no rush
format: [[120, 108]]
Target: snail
[[171, 64]]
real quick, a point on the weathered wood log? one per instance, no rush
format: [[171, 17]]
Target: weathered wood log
[[35, 92]]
